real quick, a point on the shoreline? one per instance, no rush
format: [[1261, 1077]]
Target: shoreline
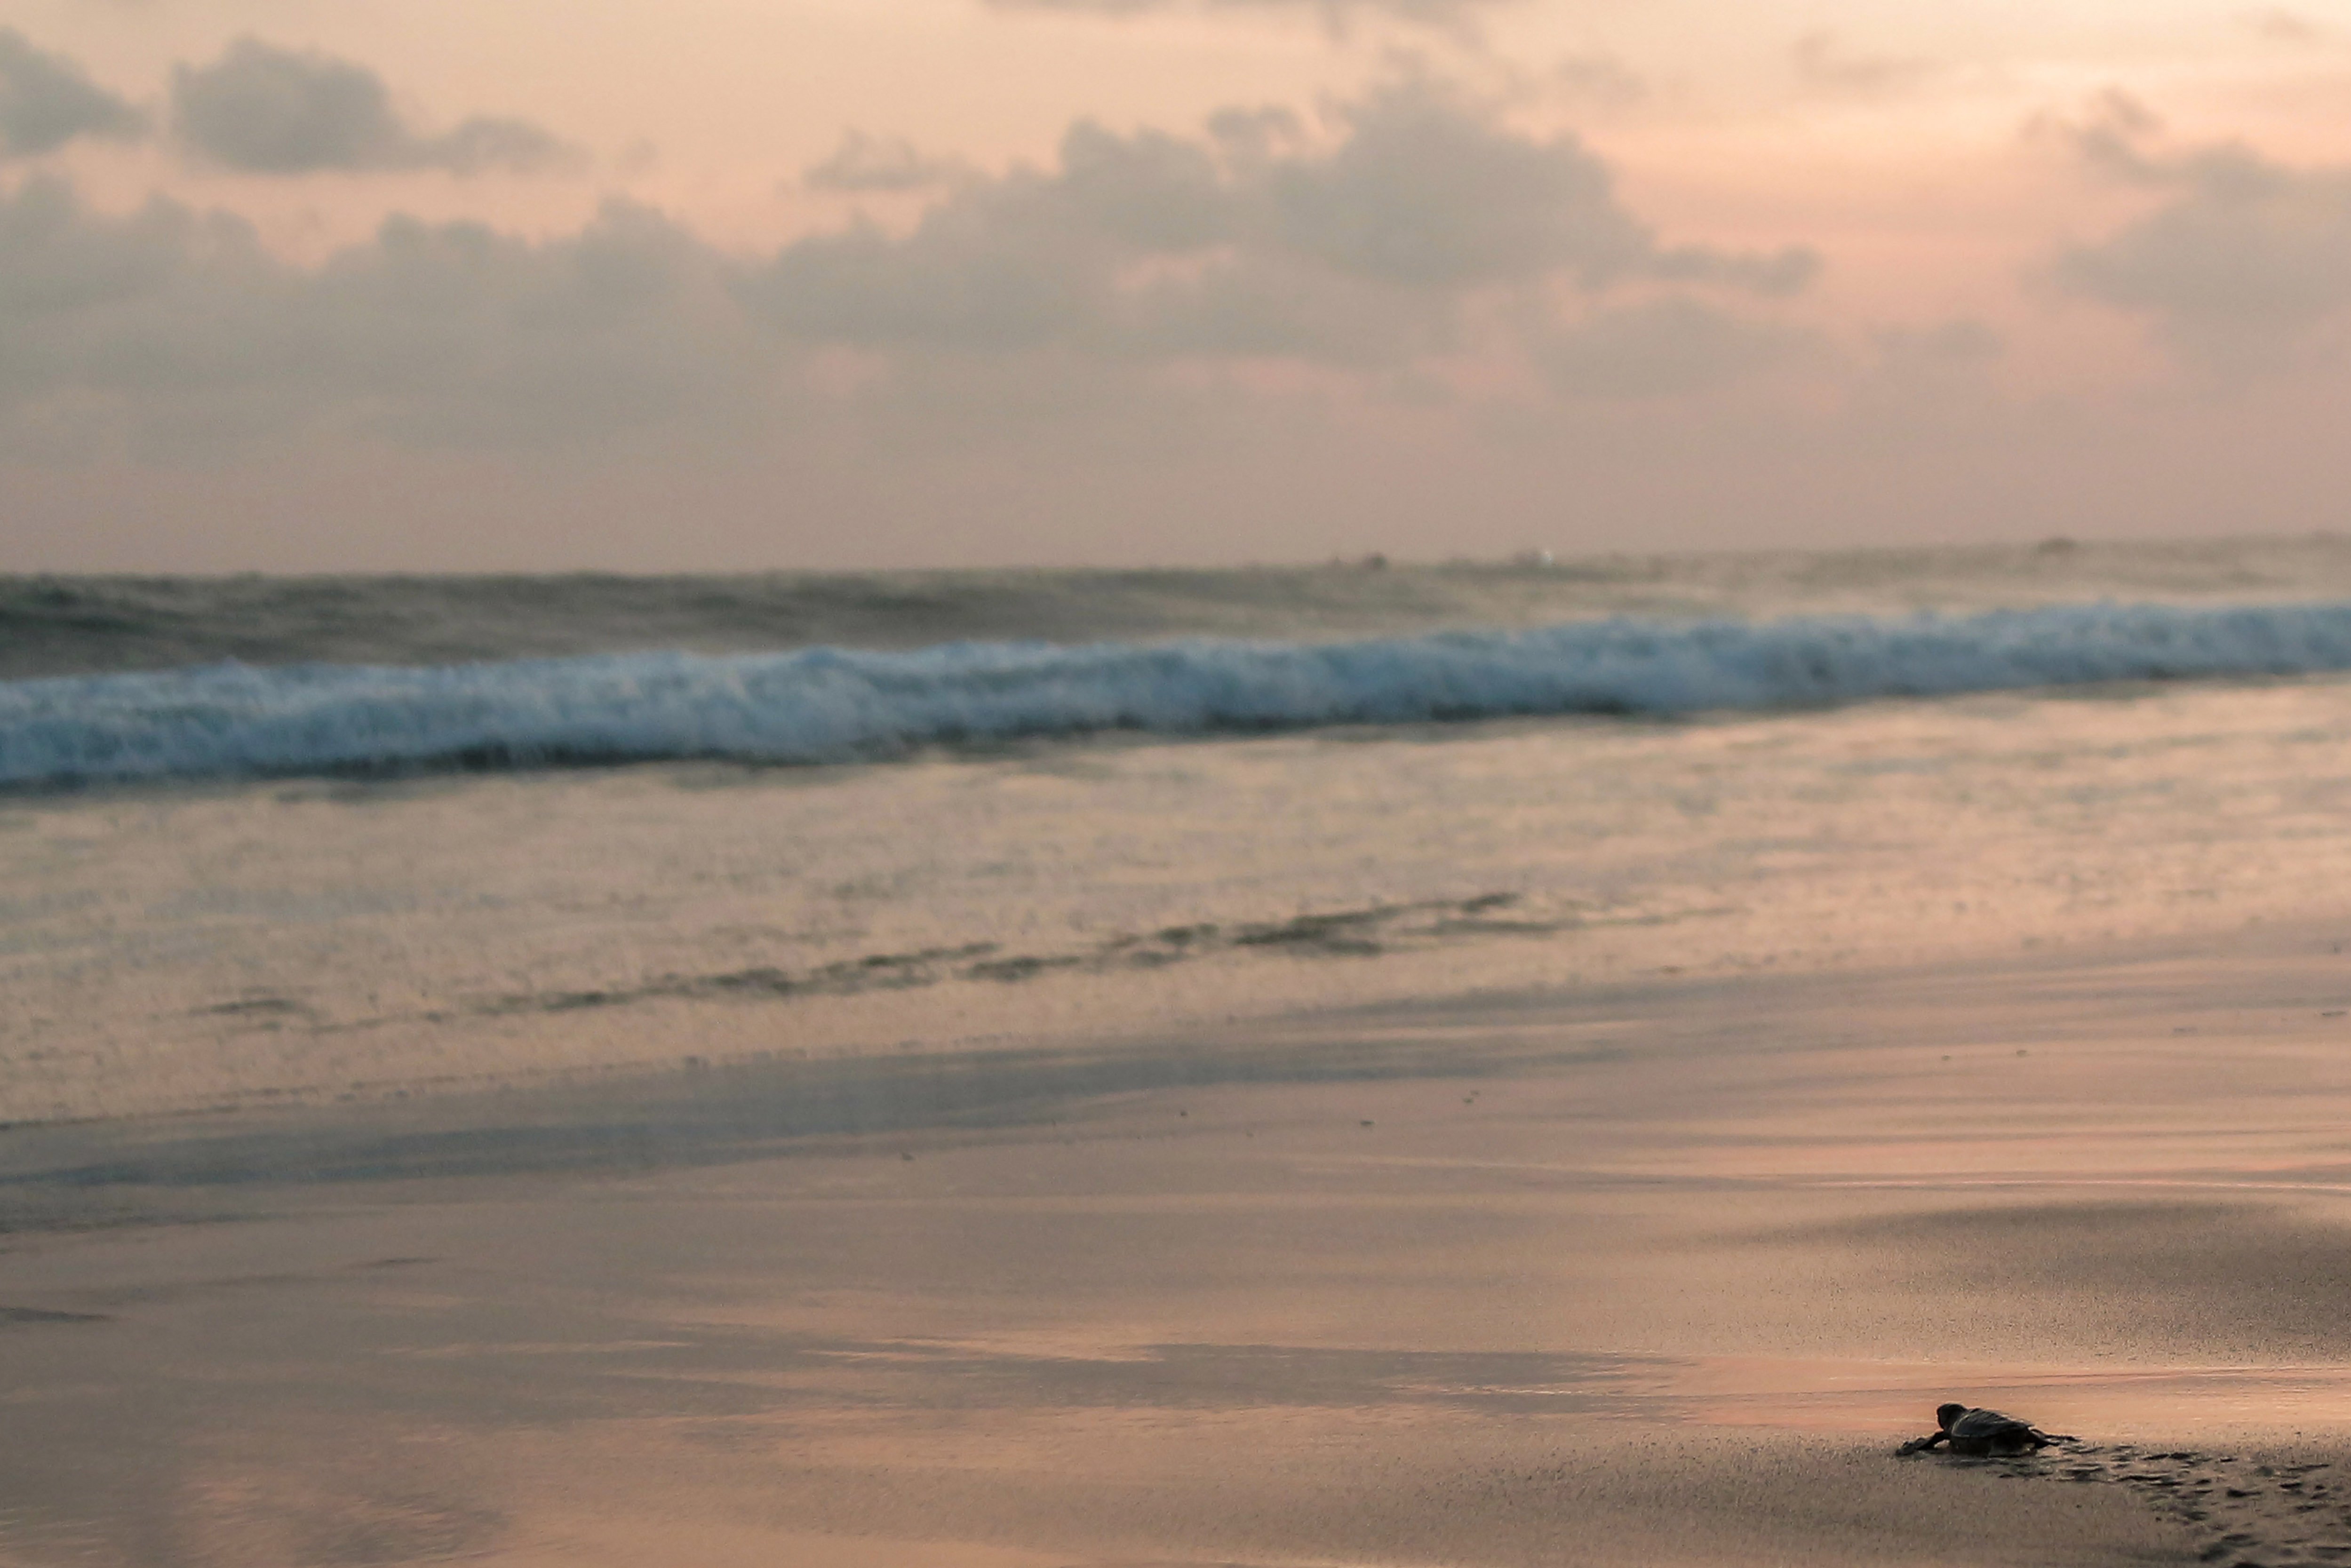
[[2290, 955]]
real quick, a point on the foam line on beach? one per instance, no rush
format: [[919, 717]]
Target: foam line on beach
[[832, 704]]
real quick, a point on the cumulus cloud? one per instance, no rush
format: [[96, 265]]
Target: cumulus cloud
[[1414, 227], [1599, 79], [2111, 137], [864, 162], [268, 110], [1251, 234], [1961, 340], [1823, 65], [1450, 15], [2242, 263], [1426, 192], [1778, 274], [47, 100], [1664, 347], [172, 324], [2280, 25]]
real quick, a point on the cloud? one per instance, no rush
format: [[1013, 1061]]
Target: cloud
[[1777, 274], [176, 327], [1664, 347], [1449, 16], [484, 141], [1414, 229], [267, 111], [864, 162], [1601, 80], [2238, 267], [2284, 27], [2111, 137], [1962, 340], [1428, 191], [1821, 66], [47, 100], [1363, 248]]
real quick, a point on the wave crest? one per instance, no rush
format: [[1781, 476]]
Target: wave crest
[[831, 704]]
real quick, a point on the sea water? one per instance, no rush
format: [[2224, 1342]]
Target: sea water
[[298, 839]]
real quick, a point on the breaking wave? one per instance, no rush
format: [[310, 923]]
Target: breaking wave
[[832, 704]]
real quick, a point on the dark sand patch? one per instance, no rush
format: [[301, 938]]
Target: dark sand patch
[[45, 1315]]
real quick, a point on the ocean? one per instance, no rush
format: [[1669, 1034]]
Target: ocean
[[278, 841]]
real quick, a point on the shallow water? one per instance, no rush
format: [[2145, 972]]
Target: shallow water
[[165, 948], [63, 625], [185, 942], [1692, 1106]]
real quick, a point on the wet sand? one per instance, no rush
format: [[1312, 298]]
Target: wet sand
[[1659, 1274]]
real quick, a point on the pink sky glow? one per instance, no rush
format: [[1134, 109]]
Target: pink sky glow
[[286, 286]]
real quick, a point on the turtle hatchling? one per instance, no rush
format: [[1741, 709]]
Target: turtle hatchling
[[1978, 1433]]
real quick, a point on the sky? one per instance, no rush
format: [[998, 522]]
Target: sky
[[420, 285]]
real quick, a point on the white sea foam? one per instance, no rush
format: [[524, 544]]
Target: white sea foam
[[828, 705]]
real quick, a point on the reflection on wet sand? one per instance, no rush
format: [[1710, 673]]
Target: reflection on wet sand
[[1647, 1276]]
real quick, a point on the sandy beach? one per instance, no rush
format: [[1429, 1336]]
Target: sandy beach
[[1174, 784], [1654, 1273]]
